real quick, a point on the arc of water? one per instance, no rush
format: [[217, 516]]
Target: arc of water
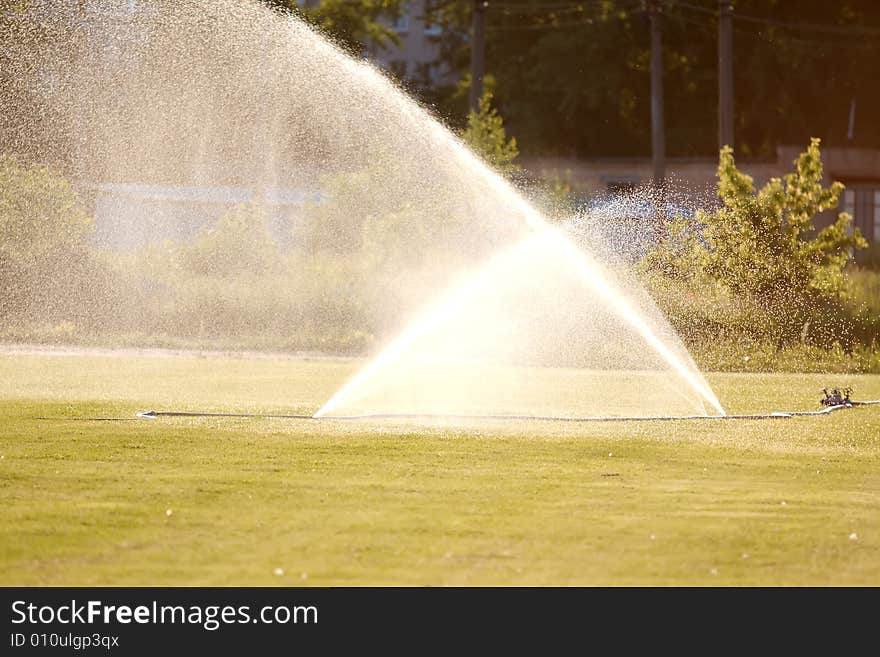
[[594, 278], [425, 149], [589, 272], [439, 313]]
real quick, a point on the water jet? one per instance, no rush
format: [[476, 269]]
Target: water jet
[[480, 302]]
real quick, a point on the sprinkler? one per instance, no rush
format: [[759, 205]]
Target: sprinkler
[[837, 397]]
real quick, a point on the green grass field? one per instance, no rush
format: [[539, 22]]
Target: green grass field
[[85, 502]]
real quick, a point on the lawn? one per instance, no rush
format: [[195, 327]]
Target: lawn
[[191, 501]]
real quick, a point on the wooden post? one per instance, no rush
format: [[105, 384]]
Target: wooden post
[[478, 53], [725, 73], [658, 136]]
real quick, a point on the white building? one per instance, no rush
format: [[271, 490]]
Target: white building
[[418, 55], [132, 215]]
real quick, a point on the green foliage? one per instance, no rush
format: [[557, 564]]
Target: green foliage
[[43, 238], [870, 257], [378, 244], [239, 244], [39, 212], [486, 135], [234, 286], [764, 243], [334, 224], [864, 289], [757, 265], [354, 23], [453, 100], [574, 77]]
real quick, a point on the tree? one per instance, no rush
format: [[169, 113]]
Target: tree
[[766, 241], [574, 77], [44, 233], [240, 243], [761, 249], [486, 135], [353, 23]]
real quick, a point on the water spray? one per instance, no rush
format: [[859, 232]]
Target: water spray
[[186, 94]]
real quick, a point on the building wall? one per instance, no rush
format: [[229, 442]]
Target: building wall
[[130, 215], [858, 169], [417, 56]]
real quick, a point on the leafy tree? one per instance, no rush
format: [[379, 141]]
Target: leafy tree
[[39, 211], [239, 244], [759, 255], [574, 78], [44, 233], [354, 23], [765, 242], [486, 135]]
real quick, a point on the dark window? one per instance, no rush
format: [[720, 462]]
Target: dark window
[[863, 203]]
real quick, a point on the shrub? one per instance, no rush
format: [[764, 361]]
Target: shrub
[[44, 256], [757, 265], [238, 244], [486, 135], [765, 242]]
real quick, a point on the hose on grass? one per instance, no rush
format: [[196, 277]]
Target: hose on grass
[[775, 415], [154, 414]]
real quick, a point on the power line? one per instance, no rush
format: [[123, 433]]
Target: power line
[[557, 8], [582, 7], [579, 8], [790, 25], [499, 7], [539, 26], [709, 29], [491, 6], [812, 27], [511, 8]]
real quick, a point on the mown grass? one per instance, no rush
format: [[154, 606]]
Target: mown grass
[[332, 503]]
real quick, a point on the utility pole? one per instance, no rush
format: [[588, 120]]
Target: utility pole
[[851, 127], [725, 73], [478, 53], [658, 136]]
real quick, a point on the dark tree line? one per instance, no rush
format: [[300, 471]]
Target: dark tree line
[[573, 77]]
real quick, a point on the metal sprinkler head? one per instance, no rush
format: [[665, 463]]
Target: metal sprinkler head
[[837, 397]]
